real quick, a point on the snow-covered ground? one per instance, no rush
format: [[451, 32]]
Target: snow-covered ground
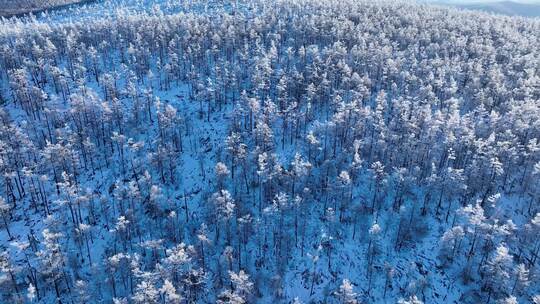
[[335, 152]]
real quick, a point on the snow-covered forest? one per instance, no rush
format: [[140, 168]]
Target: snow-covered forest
[[304, 151]]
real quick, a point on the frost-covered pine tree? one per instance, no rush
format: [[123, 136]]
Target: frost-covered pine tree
[[169, 293], [241, 289], [411, 300], [146, 292], [345, 293], [498, 271]]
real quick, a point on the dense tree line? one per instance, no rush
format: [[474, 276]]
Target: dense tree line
[[285, 151]]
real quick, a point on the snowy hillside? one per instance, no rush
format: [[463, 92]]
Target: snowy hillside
[[511, 8], [16, 7], [160, 151]]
